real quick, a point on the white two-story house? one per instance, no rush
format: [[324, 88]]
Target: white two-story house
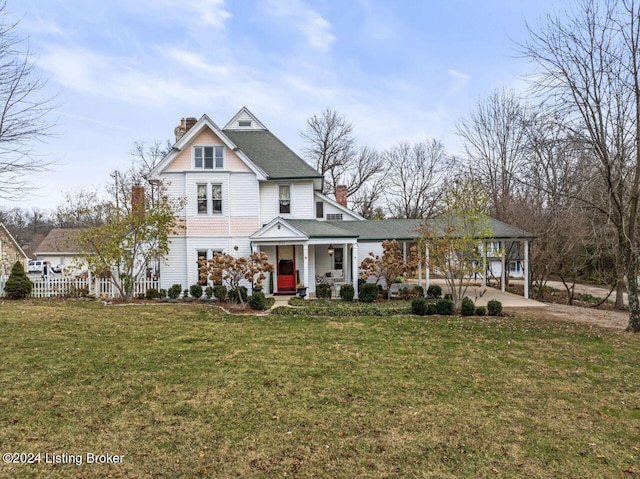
[[245, 188]]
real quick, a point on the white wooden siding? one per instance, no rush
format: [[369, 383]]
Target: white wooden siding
[[243, 195], [174, 184], [173, 268], [303, 204], [268, 202]]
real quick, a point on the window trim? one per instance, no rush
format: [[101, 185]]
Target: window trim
[[210, 211], [280, 205], [202, 158]]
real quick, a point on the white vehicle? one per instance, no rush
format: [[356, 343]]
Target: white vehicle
[[39, 267]]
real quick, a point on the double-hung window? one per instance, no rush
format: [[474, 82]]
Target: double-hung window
[[209, 198], [285, 199], [208, 157]]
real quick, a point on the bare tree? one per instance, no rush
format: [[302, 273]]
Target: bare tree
[[414, 178], [332, 150], [494, 137], [24, 112], [590, 74]]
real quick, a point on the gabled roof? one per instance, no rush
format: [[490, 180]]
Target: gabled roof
[[275, 158], [189, 136], [244, 114], [324, 229], [13, 241], [279, 229], [337, 205], [61, 241]]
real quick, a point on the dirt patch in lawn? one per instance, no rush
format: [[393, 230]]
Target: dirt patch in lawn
[[598, 317]]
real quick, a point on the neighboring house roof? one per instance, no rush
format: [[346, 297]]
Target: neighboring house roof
[[61, 241], [13, 241], [275, 158]]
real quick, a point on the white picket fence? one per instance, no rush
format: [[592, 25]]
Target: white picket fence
[[66, 286]]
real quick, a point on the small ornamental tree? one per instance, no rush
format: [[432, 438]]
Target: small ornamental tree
[[455, 237], [232, 270], [390, 265], [18, 286]]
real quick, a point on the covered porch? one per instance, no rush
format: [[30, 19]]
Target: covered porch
[[305, 253]]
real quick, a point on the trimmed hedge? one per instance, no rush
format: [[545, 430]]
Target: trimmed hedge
[[419, 306], [233, 295], [467, 308], [494, 308], [434, 291], [347, 292], [18, 286], [444, 307], [220, 292], [174, 291], [258, 301], [323, 291], [368, 293], [195, 290]]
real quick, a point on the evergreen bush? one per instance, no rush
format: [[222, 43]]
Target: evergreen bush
[[18, 286], [419, 306], [432, 309], [258, 301], [368, 293], [481, 311], [347, 292], [220, 292], [467, 308], [494, 308], [434, 291], [195, 290], [152, 293], [174, 291], [444, 306], [208, 292], [323, 291]]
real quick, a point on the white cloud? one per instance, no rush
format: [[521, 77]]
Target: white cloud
[[194, 60], [307, 22]]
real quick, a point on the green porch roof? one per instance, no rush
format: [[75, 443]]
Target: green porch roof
[[323, 229], [277, 160]]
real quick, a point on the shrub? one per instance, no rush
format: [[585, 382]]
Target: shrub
[[481, 311], [431, 309], [195, 290], [185, 293], [174, 291], [448, 296], [419, 291], [467, 308], [233, 295], [220, 292], [494, 307], [323, 290], [140, 296], [444, 306], [162, 293], [410, 293], [152, 293], [368, 293], [347, 292], [208, 292], [258, 301], [419, 306], [18, 286], [434, 291], [361, 282]]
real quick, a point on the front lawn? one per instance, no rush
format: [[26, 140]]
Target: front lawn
[[184, 391]]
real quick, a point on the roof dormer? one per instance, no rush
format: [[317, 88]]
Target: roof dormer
[[244, 120]]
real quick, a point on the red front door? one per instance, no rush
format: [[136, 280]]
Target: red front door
[[286, 269]]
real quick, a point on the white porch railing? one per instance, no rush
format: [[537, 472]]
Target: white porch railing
[[66, 286]]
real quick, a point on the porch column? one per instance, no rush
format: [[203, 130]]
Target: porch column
[[404, 251], [255, 248], [503, 273], [484, 263], [346, 267], [526, 269], [427, 269], [354, 261], [420, 269], [305, 277]]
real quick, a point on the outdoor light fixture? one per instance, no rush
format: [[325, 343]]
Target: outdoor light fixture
[[330, 250]]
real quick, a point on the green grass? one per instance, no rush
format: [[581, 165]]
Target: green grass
[[183, 391]]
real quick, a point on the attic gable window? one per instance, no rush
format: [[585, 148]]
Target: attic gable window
[[208, 157], [244, 122]]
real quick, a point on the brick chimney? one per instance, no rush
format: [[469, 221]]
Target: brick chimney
[[341, 195], [137, 201], [190, 121]]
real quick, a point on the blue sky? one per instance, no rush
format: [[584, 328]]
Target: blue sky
[[128, 70]]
